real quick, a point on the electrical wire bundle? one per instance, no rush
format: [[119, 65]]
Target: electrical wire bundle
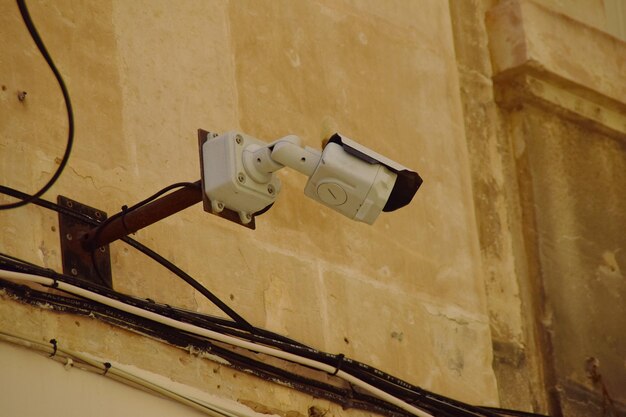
[[260, 352], [244, 347]]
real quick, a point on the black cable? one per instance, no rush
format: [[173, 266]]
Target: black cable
[[68, 105], [433, 403], [191, 281], [409, 392], [144, 249], [159, 331], [433, 408], [509, 412], [206, 321], [20, 261], [127, 210], [345, 397], [242, 363], [426, 402]]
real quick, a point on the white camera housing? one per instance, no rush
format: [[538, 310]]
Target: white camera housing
[[239, 175], [349, 185]]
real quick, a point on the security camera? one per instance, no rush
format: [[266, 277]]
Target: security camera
[[239, 176]]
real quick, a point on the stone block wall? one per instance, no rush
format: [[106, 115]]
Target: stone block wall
[[542, 88], [406, 295], [499, 284]]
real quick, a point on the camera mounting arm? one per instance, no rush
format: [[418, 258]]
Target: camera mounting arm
[[285, 152]]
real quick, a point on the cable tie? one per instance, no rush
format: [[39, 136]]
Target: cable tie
[[339, 363], [107, 366], [54, 346], [124, 211], [54, 284]]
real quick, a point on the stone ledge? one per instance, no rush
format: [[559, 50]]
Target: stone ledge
[[549, 59], [521, 31], [529, 85]]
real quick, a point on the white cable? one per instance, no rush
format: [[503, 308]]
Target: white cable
[[19, 276], [215, 410]]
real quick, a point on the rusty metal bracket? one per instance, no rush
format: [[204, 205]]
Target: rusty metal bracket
[[131, 220], [91, 266]]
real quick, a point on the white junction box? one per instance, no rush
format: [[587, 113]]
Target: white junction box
[[227, 184]]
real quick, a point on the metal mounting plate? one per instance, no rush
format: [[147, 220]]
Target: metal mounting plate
[[94, 267]]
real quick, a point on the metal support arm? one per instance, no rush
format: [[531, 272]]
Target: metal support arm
[[125, 223]]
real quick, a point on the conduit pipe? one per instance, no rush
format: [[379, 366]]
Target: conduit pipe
[[129, 378]]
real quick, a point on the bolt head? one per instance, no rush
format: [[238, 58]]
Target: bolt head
[[270, 189], [241, 177], [239, 139], [69, 236], [74, 271]]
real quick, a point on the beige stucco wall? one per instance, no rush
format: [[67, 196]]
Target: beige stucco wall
[[406, 294], [512, 111]]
